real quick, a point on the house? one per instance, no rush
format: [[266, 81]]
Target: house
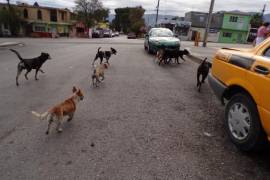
[[178, 26], [198, 24], [40, 21], [235, 27]]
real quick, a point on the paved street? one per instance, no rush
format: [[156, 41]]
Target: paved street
[[144, 122]]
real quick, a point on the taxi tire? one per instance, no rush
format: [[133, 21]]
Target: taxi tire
[[256, 139]]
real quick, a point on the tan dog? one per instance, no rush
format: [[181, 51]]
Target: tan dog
[[160, 56], [99, 73], [66, 108]]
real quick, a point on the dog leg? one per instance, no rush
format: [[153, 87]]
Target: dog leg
[[177, 60], [182, 58], [103, 77], [203, 78], [70, 117], [199, 88], [18, 75], [59, 124], [49, 125], [41, 71], [25, 75], [198, 79], [101, 60], [36, 75]]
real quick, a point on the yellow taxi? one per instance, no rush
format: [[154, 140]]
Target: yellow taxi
[[241, 80]]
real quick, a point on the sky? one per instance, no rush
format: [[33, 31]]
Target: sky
[[167, 7]]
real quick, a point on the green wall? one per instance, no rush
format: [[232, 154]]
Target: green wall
[[235, 32], [236, 36], [242, 23]]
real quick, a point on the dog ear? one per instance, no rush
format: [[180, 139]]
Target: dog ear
[[113, 50], [74, 89]]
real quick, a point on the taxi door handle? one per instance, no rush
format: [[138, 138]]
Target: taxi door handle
[[261, 70]]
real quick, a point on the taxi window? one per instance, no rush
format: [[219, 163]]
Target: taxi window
[[267, 53]]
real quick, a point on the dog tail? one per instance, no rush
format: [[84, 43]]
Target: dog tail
[[40, 116], [99, 49], [16, 52]]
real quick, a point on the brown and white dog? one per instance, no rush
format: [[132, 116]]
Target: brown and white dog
[[66, 108], [98, 73]]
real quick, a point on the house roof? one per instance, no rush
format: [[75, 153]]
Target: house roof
[[236, 13], [35, 5]]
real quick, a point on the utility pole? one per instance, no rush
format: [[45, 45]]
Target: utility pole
[[263, 10], [157, 13], [8, 3], [208, 25]]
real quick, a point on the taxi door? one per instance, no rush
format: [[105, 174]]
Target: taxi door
[[259, 78]]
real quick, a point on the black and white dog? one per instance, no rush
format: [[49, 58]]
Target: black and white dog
[[29, 64], [104, 54], [203, 71]]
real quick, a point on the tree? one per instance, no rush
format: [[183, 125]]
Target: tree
[[256, 20], [129, 19], [90, 11], [136, 19], [11, 18], [175, 18]]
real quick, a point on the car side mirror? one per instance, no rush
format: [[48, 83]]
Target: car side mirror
[[176, 35]]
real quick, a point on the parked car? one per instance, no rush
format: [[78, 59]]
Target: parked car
[[241, 80], [107, 33], [158, 37], [116, 33], [131, 35], [5, 33], [98, 33]]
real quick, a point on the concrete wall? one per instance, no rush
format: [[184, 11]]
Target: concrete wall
[[32, 14]]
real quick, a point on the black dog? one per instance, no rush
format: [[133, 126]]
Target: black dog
[[104, 54], [168, 54], [203, 71], [29, 64]]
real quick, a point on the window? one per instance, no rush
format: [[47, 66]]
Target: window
[[233, 19], [39, 14], [201, 19], [40, 29], [63, 16], [53, 15], [25, 13], [227, 34], [267, 53]]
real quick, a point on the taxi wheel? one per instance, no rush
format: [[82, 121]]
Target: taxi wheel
[[243, 124]]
